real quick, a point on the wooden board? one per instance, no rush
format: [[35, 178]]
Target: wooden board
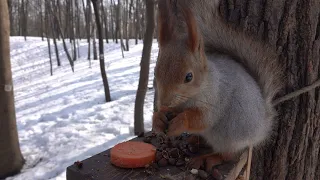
[[98, 167]]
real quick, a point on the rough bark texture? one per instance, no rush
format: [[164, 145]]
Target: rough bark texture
[[11, 160], [144, 72], [292, 27]]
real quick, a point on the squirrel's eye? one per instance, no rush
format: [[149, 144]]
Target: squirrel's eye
[[189, 77]]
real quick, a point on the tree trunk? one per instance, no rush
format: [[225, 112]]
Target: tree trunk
[[144, 72], [101, 53], [118, 6], [105, 21], [137, 26], [47, 34], [112, 21], [293, 29], [94, 44], [10, 154], [55, 44], [119, 15], [127, 23], [57, 23], [11, 16], [88, 27]]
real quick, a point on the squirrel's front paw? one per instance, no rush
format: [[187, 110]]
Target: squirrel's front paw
[[161, 118], [159, 122], [178, 125]]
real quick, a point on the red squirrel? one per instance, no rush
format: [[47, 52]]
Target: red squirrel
[[219, 81]]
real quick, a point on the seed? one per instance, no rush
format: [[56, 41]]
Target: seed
[[203, 174], [180, 162], [172, 161], [174, 153], [158, 156], [163, 162], [194, 171]]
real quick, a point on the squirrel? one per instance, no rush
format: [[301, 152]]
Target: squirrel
[[219, 82]]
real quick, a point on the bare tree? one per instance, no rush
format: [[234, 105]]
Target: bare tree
[[144, 72], [57, 23], [137, 21], [94, 43], [101, 53], [47, 34], [10, 154], [105, 21], [119, 29]]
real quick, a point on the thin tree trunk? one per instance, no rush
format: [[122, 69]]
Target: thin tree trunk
[[118, 21], [57, 23], [11, 16], [127, 22], [48, 39], [55, 44], [101, 53], [41, 21], [112, 21], [88, 27], [94, 44], [105, 21], [137, 23], [50, 59], [58, 11], [10, 154], [144, 72], [119, 26]]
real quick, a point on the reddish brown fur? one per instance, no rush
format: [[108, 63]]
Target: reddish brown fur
[[193, 39], [165, 22], [181, 52]]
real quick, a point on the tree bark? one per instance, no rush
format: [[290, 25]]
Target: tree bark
[[144, 72], [293, 29], [10, 154], [101, 51]]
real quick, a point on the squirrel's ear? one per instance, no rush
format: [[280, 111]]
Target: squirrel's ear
[[165, 24], [193, 38]]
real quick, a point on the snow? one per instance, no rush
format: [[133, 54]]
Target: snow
[[64, 118]]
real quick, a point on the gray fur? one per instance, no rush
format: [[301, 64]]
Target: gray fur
[[239, 120]]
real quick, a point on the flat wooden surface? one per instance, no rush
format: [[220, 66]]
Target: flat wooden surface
[[98, 167]]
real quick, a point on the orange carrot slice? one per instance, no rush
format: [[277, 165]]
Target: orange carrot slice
[[132, 154]]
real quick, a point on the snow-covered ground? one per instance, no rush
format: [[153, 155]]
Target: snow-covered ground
[[63, 118]]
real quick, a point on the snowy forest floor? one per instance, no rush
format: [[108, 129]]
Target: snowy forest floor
[[64, 118]]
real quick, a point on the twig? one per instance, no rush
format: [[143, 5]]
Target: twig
[[249, 163], [296, 93]]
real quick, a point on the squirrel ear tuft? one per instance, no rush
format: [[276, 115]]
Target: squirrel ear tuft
[[193, 38], [165, 24]]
